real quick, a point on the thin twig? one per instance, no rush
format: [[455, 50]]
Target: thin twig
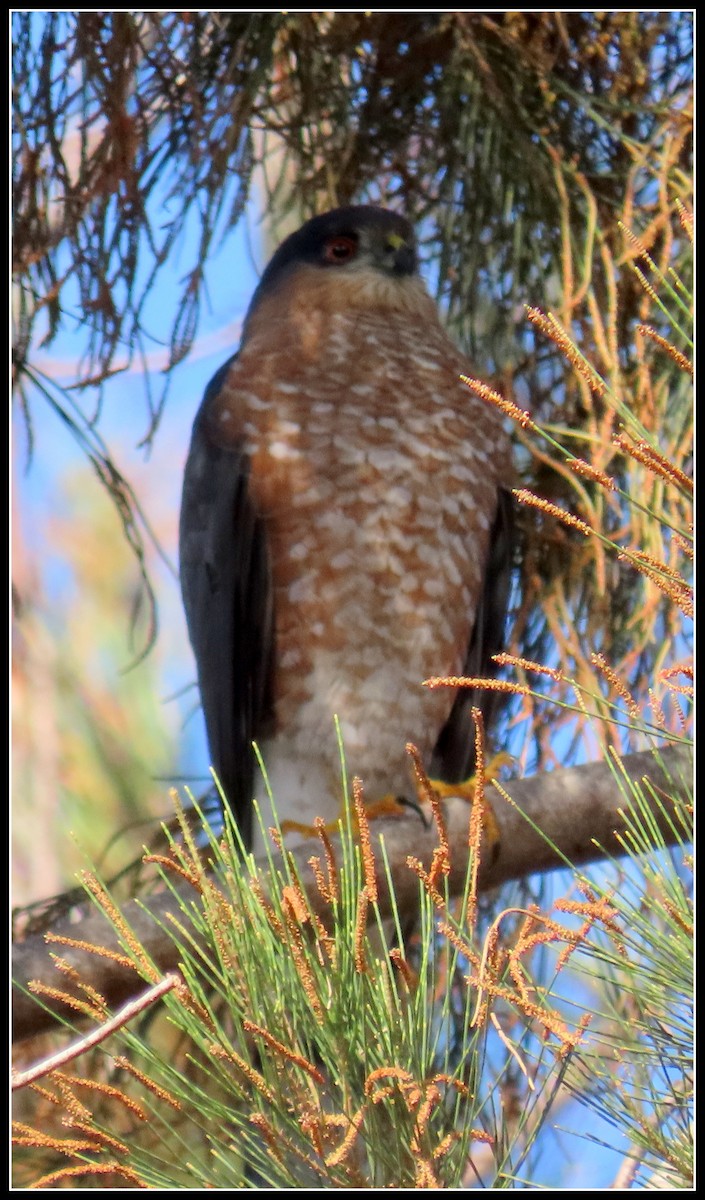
[[69, 1053]]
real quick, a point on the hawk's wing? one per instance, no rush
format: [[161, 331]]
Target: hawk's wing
[[453, 756], [227, 593]]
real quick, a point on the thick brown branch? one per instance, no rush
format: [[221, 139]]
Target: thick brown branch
[[579, 810]]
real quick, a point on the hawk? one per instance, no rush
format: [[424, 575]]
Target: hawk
[[343, 535]]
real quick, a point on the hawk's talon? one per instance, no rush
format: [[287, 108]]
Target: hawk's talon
[[466, 791], [392, 805], [405, 802], [307, 831], [386, 806]]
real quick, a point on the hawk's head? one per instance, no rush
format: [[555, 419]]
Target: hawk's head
[[366, 254]]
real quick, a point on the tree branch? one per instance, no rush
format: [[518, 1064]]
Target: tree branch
[[580, 810]]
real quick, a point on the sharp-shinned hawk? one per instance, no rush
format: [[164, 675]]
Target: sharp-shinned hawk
[[342, 535]]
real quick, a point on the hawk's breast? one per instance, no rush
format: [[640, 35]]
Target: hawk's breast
[[376, 471]]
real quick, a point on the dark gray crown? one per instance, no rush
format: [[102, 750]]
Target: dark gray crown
[[361, 222]]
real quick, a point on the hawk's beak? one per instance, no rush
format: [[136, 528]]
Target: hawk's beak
[[399, 255]]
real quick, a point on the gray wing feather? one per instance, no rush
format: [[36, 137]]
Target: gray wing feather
[[226, 587], [453, 756]]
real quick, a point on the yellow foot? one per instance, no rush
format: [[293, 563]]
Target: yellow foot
[[395, 806], [466, 791], [387, 806], [307, 831]]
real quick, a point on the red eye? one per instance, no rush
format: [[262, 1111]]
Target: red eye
[[339, 249]]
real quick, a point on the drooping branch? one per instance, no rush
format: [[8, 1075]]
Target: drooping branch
[[580, 812]]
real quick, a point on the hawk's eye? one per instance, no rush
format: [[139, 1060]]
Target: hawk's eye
[[339, 249]]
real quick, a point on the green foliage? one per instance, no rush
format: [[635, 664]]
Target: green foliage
[[635, 1069], [634, 1065], [607, 573], [295, 1054]]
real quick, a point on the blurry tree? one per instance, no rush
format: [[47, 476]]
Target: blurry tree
[[89, 734]]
